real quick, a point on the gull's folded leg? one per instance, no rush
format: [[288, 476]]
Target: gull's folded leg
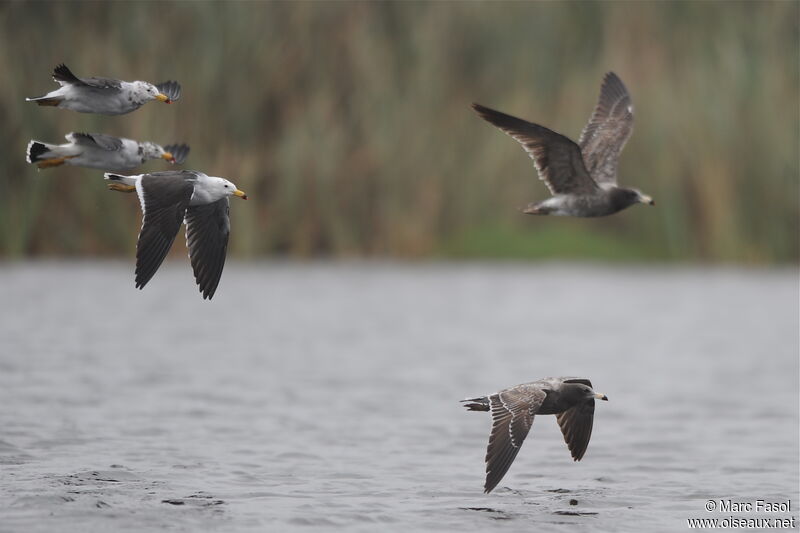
[[119, 187], [55, 162]]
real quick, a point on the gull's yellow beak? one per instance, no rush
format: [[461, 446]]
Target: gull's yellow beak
[[163, 98], [601, 396], [169, 157], [647, 200], [240, 194]]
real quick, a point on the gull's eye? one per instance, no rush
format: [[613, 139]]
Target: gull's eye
[[226, 186]]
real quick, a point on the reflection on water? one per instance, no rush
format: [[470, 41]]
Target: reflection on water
[[327, 395]]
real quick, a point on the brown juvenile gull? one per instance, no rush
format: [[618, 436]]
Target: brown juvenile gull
[[104, 95], [570, 399], [582, 177], [96, 150], [169, 198]]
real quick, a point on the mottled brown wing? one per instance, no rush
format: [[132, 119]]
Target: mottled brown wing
[[512, 417], [607, 131], [557, 159], [576, 425]]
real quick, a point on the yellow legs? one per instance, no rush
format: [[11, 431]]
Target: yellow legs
[[120, 187], [55, 162]]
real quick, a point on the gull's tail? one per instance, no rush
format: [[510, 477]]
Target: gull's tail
[[38, 151], [476, 404], [45, 100], [119, 178], [48, 155]]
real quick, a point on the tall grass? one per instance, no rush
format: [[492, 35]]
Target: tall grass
[[348, 123]]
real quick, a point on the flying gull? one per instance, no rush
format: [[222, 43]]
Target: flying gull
[[570, 399], [582, 177], [167, 198], [96, 150], [103, 95]]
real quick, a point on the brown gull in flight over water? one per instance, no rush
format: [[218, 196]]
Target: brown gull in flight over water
[[570, 399]]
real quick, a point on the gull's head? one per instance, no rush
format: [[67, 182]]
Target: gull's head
[[151, 92], [227, 188], [638, 197], [590, 394], [152, 150], [644, 199], [580, 392], [623, 197]]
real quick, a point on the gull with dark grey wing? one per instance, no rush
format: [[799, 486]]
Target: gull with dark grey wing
[[169, 198]]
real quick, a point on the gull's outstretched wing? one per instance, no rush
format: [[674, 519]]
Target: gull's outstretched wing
[[558, 160], [98, 140], [207, 230], [170, 88], [179, 151], [512, 416], [164, 197], [64, 75], [576, 425], [607, 131]]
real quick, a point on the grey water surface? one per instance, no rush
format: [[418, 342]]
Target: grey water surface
[[320, 396]]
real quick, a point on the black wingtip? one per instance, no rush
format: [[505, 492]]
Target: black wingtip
[[489, 487], [612, 84], [498, 118], [179, 151], [170, 88], [481, 110], [63, 73]]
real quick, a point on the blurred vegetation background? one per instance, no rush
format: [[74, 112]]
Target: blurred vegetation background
[[348, 124]]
